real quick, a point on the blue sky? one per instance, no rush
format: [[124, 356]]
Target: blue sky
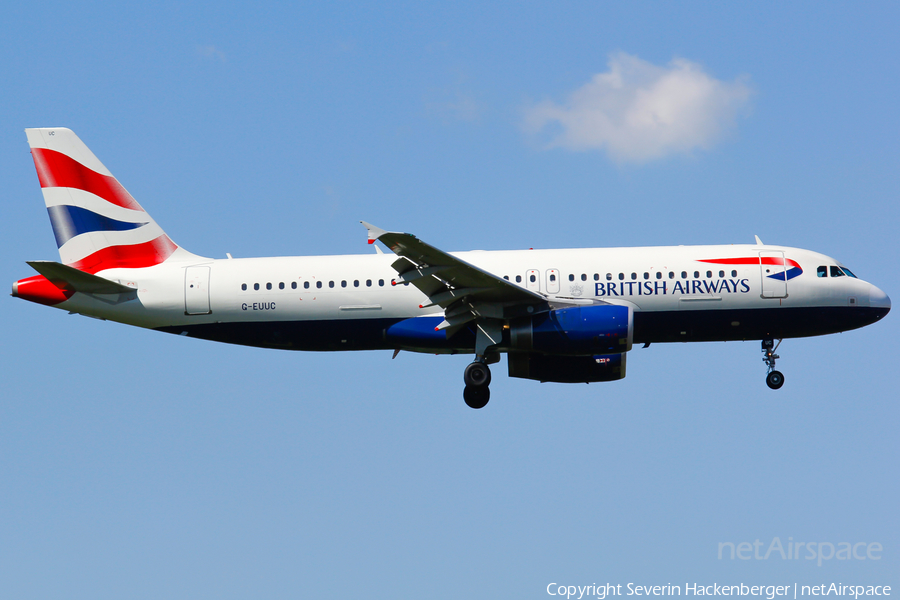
[[141, 465]]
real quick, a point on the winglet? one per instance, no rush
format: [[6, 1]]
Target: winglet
[[374, 232], [759, 242]]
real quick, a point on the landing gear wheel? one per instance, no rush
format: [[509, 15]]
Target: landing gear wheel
[[477, 377], [476, 396], [477, 374], [775, 380]]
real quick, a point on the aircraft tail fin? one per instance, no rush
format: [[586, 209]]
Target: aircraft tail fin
[[98, 225]]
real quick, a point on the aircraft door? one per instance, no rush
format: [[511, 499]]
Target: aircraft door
[[774, 274], [196, 291], [533, 280], [552, 281]]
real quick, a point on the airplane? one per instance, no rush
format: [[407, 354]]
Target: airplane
[[566, 316]]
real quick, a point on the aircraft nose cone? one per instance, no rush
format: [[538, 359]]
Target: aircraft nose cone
[[878, 299]]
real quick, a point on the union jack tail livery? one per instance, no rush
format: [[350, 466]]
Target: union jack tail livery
[[97, 223]]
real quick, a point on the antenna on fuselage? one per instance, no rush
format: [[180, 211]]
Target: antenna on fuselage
[[759, 242]]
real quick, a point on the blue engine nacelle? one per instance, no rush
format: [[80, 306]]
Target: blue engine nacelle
[[579, 330]]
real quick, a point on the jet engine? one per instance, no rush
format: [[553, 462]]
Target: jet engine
[[570, 345]]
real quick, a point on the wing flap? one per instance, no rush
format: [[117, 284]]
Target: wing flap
[[448, 271], [468, 294]]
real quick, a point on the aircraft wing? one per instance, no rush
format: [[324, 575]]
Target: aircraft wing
[[464, 291]]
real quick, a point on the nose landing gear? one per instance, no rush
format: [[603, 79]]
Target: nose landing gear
[[774, 379], [477, 377]]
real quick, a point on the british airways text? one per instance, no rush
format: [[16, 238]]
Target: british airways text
[[662, 288]]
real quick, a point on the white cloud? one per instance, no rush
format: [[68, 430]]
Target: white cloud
[[638, 111]]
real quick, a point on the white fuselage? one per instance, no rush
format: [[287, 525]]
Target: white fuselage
[[358, 288]]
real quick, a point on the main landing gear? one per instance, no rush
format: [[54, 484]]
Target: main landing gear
[[477, 377], [774, 379]]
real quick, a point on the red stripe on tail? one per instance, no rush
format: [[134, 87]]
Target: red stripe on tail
[[135, 256], [55, 169]]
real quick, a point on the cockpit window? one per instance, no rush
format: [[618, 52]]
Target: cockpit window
[[836, 271], [822, 271], [849, 272]]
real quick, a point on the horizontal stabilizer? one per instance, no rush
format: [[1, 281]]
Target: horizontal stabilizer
[[65, 277]]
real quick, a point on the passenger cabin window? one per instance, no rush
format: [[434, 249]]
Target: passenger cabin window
[[696, 274], [836, 271], [532, 279], [646, 275], [571, 277], [293, 285], [381, 282], [305, 285], [684, 274], [721, 273], [518, 279], [552, 277], [506, 277], [596, 276], [734, 273], [621, 276], [244, 286], [255, 286], [584, 276], [609, 276], [319, 284], [634, 276], [331, 284], [280, 285], [268, 286], [709, 274], [356, 283], [344, 283], [368, 283], [659, 274], [822, 271], [671, 275]]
